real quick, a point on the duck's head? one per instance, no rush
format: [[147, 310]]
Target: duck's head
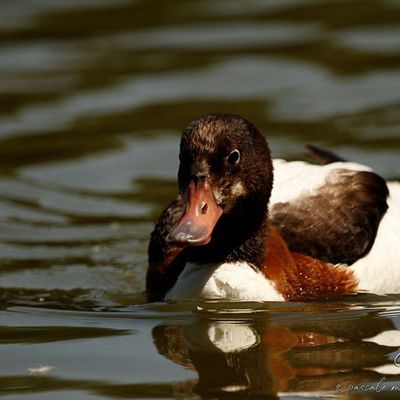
[[225, 172]]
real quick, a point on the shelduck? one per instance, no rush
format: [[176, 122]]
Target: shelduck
[[247, 228]]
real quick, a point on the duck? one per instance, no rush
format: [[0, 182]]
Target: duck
[[245, 227]]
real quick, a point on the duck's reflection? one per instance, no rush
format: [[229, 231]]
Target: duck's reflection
[[236, 358]]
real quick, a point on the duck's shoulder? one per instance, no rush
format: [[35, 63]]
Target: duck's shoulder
[[331, 212]]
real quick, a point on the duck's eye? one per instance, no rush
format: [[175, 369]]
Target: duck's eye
[[233, 157]]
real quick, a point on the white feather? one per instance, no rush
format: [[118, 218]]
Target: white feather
[[379, 271], [293, 179], [231, 281]]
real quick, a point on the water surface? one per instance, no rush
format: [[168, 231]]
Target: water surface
[[93, 97]]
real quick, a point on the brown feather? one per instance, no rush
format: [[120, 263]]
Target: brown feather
[[299, 277]]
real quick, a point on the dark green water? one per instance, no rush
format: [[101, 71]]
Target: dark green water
[[93, 97]]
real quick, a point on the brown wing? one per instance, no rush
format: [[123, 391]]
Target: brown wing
[[338, 222]]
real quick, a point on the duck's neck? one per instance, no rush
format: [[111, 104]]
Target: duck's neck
[[238, 236]]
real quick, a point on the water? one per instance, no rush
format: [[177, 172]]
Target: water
[[93, 97]]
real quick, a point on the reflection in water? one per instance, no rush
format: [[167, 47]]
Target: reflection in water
[[258, 357]]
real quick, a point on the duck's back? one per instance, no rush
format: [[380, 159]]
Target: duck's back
[[341, 213]]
